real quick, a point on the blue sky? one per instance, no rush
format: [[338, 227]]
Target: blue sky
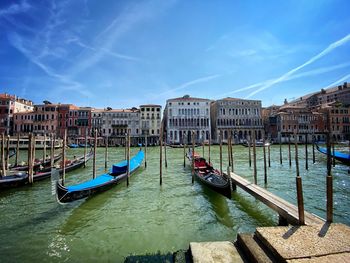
[[126, 53]]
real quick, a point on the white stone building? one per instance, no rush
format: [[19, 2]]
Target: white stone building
[[184, 115]]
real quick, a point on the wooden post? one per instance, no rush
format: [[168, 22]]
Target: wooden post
[[52, 151], [128, 158], [249, 151], [280, 148], [94, 158], [7, 151], [126, 147], [209, 148], [221, 152], [269, 154], [64, 157], [30, 158], [85, 148], [184, 143], [329, 180], [306, 154], [165, 159], [289, 153], [299, 187], [254, 159], [17, 151], [146, 151], [33, 149], [44, 150], [228, 150], [106, 152], [313, 149], [231, 152], [161, 156], [192, 159], [333, 151], [3, 155], [265, 169]]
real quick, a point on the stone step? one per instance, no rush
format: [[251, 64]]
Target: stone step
[[215, 252], [253, 250]]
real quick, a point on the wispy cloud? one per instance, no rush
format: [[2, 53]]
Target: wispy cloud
[[329, 49], [313, 72], [15, 8], [339, 81], [189, 83]]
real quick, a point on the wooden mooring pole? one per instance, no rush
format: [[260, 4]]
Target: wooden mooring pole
[[52, 151], [17, 151], [209, 148], [228, 150], [221, 152], [280, 143], [184, 145], [231, 153], [106, 152], [165, 159], [64, 157], [30, 158], [329, 180], [289, 151], [161, 156], [203, 145], [313, 149], [3, 169], [44, 151], [146, 151], [265, 168], [333, 151], [94, 157], [254, 159], [128, 157], [269, 154], [299, 187], [249, 151], [306, 154], [7, 151], [192, 157], [85, 148]]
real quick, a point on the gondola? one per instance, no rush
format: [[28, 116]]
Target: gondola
[[73, 145], [82, 145], [342, 157], [13, 180], [210, 177], [37, 164], [257, 144], [117, 174], [70, 166]]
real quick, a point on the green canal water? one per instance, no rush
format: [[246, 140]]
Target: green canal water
[[146, 217]]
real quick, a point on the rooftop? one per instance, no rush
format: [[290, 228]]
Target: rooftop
[[187, 98]]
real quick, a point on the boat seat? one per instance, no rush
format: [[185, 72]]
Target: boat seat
[[201, 167]]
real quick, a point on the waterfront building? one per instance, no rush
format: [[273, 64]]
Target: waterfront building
[[10, 105], [269, 117], [76, 120], [242, 117], [340, 122], [184, 115], [301, 121], [150, 122], [114, 123]]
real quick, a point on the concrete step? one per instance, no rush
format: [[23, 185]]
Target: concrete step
[[253, 250], [215, 252]]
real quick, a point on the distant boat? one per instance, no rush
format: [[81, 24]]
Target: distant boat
[[83, 145], [209, 176], [101, 183], [73, 145], [257, 144], [342, 157]]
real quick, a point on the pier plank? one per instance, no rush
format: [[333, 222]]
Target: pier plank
[[281, 206]]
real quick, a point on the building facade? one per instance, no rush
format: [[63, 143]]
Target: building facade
[[185, 115], [10, 105], [241, 117], [150, 122]]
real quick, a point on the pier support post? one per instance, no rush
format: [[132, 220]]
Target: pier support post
[[282, 221], [299, 187], [233, 187]]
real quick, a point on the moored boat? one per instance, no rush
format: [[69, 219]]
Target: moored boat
[[73, 145], [342, 157], [257, 144], [117, 174], [13, 180], [209, 176], [37, 164]]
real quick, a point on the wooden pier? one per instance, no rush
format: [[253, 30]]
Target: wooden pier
[[288, 212]]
